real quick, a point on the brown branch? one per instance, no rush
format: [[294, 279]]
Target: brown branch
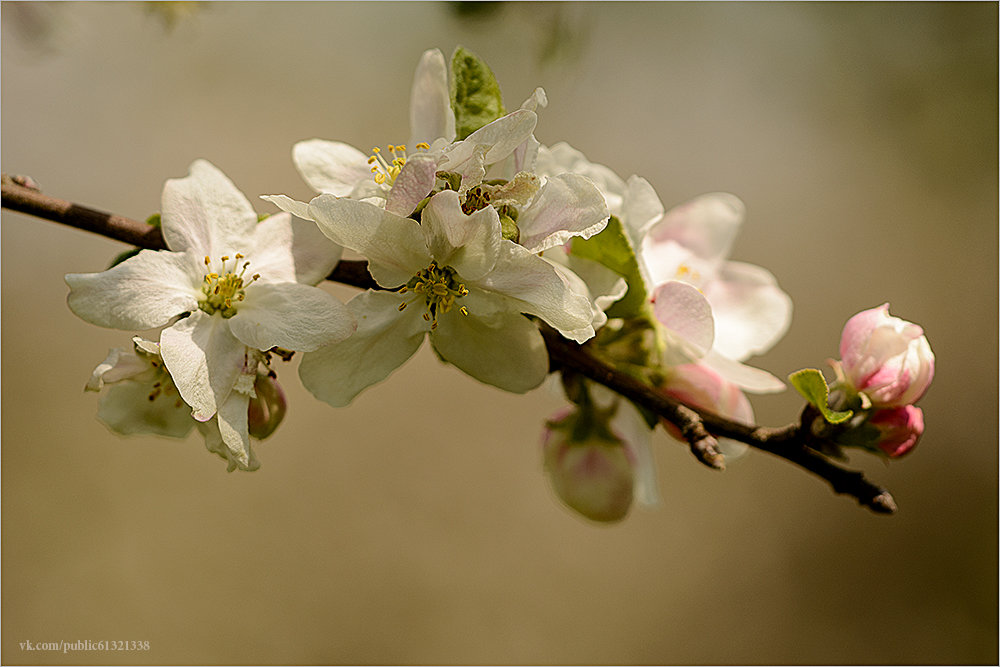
[[787, 442], [17, 197], [699, 427]]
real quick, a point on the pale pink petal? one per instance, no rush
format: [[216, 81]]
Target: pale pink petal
[[431, 116], [687, 318]]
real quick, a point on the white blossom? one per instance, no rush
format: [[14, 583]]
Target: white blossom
[[228, 286]]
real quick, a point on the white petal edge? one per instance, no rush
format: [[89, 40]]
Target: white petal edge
[[143, 292], [567, 205], [330, 166], [203, 359], [506, 350], [431, 116], [383, 238], [205, 213], [292, 316], [384, 340]]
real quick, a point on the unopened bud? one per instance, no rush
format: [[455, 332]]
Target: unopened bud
[[589, 470], [899, 429], [267, 409], [887, 358]]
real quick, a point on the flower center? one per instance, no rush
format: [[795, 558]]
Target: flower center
[[225, 289], [440, 287], [386, 170]]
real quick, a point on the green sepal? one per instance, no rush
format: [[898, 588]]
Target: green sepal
[[475, 93], [154, 220], [121, 257], [613, 249], [864, 435], [812, 385]]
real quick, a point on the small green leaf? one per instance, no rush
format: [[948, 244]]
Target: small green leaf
[[613, 249], [475, 93], [121, 257], [812, 385], [154, 220]]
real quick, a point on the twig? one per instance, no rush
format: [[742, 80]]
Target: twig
[[699, 427]]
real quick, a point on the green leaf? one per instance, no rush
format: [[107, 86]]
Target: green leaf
[[812, 385], [475, 93], [154, 220], [613, 249]]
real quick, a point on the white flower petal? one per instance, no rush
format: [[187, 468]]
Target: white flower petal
[[641, 208], [384, 340], [205, 213], [535, 100], [567, 205], [493, 142], [629, 424], [562, 158], [746, 377], [290, 315], [384, 239], [506, 350], [469, 244], [706, 225], [126, 409], [232, 420], [414, 182], [289, 205], [603, 285], [331, 166], [687, 319], [287, 250], [431, 116], [204, 359], [537, 288], [751, 312], [142, 292]]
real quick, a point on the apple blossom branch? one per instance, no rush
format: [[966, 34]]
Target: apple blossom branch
[[699, 427]]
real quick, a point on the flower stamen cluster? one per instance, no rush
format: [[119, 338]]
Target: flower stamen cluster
[[385, 171], [221, 290], [440, 287]]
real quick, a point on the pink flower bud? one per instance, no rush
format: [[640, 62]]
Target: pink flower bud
[[267, 409], [900, 428], [589, 472], [887, 358]]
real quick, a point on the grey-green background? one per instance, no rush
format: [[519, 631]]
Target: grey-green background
[[416, 525]]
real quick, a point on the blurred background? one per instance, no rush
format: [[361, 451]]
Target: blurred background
[[417, 527]]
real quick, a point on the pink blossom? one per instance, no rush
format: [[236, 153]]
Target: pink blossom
[[887, 358]]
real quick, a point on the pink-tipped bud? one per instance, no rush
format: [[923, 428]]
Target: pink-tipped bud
[[887, 358], [590, 471], [900, 428], [267, 409]]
